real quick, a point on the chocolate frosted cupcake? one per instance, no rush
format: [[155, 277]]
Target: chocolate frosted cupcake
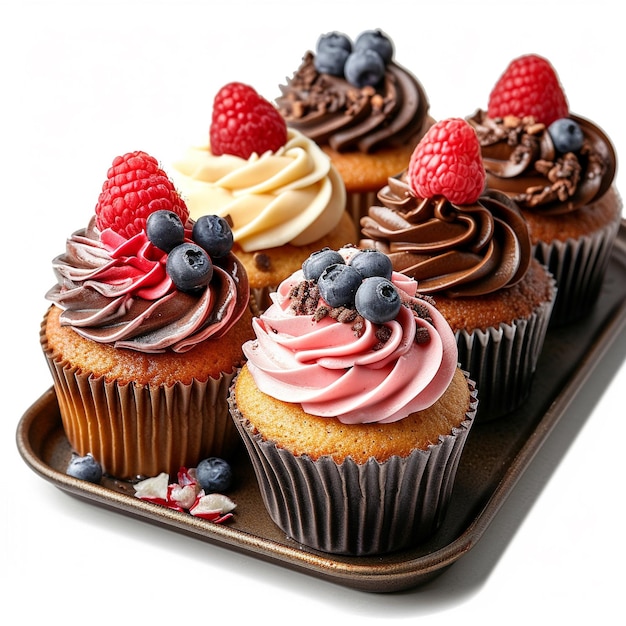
[[280, 192], [559, 168], [365, 110], [144, 334], [352, 407], [470, 251]]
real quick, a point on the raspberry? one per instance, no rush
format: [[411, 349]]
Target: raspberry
[[447, 162], [136, 187], [529, 86], [243, 122]]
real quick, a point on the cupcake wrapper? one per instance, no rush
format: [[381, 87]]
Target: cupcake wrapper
[[358, 204], [356, 509], [140, 431], [260, 299], [502, 360], [579, 266]]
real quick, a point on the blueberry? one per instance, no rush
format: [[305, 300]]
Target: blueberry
[[364, 68], [370, 262], [335, 39], [338, 284], [375, 40], [165, 229], [566, 135], [377, 300], [214, 234], [85, 468], [214, 475], [319, 261], [189, 267], [331, 60]]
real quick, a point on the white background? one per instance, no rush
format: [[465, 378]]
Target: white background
[[82, 82]]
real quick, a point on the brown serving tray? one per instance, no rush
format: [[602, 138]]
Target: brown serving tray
[[496, 455]]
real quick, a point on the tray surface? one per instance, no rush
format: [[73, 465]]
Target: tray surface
[[495, 456]]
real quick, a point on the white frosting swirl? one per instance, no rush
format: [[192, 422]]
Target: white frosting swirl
[[293, 195]]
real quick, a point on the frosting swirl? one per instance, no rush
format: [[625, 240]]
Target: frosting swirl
[[459, 250], [520, 159], [293, 195], [331, 111], [116, 291], [357, 377]]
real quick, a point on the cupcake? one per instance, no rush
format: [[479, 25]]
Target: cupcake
[[559, 168], [144, 333], [352, 406], [280, 192], [469, 249], [365, 110]]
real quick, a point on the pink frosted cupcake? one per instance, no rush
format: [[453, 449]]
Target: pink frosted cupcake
[[559, 168], [352, 406]]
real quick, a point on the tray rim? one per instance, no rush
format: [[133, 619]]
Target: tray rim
[[351, 571]]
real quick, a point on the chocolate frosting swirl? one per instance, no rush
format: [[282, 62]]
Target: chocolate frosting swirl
[[520, 160], [459, 250], [122, 295], [329, 110]]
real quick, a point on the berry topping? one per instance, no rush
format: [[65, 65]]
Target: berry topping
[[566, 135], [136, 187], [371, 262], [318, 261], [331, 53], [334, 39], [364, 67], [165, 229], [375, 40], [338, 284], [529, 86], [214, 234], [377, 300], [243, 123], [447, 162], [214, 475], [85, 468], [189, 267]]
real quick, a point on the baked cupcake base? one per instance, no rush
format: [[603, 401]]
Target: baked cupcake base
[[502, 356], [576, 248], [342, 504], [137, 429]]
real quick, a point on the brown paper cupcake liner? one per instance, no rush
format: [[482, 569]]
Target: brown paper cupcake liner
[[356, 509], [579, 266], [502, 360], [140, 431], [358, 204]]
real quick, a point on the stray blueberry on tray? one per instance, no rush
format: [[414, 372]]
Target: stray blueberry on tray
[[214, 475], [85, 468]]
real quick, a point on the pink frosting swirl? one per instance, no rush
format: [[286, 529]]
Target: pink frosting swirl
[[115, 290], [332, 371]]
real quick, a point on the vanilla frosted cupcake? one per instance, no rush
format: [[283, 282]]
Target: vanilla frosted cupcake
[[279, 191], [145, 329], [352, 407], [470, 251], [365, 110], [559, 168]]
